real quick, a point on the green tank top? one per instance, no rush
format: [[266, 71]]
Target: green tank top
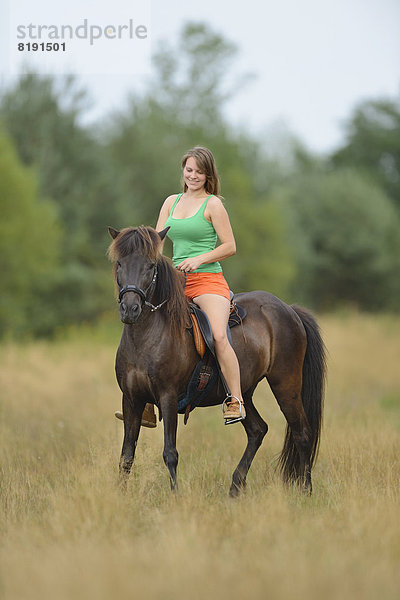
[[192, 236]]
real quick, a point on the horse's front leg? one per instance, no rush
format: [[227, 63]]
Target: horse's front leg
[[169, 408], [132, 420]]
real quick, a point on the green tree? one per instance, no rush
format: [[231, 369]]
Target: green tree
[[345, 232], [29, 244], [44, 120], [373, 145], [264, 260]]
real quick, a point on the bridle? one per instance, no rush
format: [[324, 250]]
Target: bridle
[[143, 294]]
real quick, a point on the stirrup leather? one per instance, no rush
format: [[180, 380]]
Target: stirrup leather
[[241, 408]]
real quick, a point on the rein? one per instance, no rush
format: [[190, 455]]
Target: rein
[[143, 294]]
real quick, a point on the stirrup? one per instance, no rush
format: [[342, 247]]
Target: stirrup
[[241, 408]]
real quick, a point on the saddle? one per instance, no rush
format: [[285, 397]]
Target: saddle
[[207, 370], [201, 328]]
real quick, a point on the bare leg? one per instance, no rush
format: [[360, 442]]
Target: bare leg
[[217, 310]]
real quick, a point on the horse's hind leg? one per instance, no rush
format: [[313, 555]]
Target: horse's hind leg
[[256, 428], [170, 417], [132, 420], [295, 461]]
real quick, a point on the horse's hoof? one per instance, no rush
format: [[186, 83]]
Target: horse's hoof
[[123, 483], [236, 490]]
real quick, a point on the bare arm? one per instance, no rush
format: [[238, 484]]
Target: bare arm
[[164, 214], [216, 211]]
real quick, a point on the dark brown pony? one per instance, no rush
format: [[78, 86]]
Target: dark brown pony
[[156, 358]]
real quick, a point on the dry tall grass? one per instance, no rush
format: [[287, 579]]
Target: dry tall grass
[[67, 531]]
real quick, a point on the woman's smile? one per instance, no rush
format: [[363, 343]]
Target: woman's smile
[[193, 175]]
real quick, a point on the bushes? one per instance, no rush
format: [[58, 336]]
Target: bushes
[[30, 237], [345, 233]]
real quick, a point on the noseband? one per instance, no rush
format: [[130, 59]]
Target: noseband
[[142, 294]]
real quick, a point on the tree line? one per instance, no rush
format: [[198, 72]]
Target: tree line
[[318, 230]]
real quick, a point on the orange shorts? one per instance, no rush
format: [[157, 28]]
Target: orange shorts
[[206, 283]]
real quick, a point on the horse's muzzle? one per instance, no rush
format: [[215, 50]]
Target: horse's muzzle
[[130, 313]]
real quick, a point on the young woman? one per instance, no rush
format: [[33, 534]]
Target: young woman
[[196, 219]]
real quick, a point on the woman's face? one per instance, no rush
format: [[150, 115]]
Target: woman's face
[[193, 176]]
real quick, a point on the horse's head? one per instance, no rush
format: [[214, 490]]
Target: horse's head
[[135, 253]]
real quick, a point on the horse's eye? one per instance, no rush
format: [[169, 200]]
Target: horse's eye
[[118, 264]]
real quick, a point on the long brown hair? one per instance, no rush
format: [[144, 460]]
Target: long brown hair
[[206, 162]]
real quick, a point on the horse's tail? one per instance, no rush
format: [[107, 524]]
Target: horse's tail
[[312, 393]]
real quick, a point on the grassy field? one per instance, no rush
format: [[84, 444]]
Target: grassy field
[[67, 532]]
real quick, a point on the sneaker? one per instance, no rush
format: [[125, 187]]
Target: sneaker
[[233, 410], [148, 417]]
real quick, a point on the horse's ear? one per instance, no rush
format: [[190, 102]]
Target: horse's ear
[[113, 232], [163, 233]]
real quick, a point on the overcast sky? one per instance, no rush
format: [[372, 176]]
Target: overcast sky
[[314, 60]]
